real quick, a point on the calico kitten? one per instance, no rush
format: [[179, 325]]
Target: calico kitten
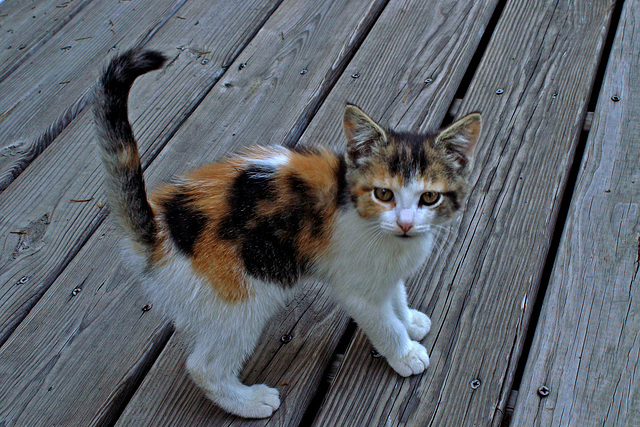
[[222, 248]]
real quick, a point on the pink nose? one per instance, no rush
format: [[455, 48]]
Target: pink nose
[[405, 227], [405, 220]]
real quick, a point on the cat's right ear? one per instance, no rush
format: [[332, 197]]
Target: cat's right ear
[[362, 132]]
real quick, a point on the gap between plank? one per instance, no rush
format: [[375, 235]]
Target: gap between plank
[[563, 212], [34, 148], [330, 80], [38, 45], [127, 389], [473, 64], [328, 376]]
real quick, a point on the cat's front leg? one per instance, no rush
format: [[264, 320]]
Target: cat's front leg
[[388, 333], [418, 324]]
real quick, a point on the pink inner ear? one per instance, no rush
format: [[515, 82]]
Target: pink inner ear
[[473, 132]]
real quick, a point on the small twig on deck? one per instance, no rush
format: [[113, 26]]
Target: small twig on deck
[[81, 200], [84, 38], [65, 82], [405, 97], [18, 232]]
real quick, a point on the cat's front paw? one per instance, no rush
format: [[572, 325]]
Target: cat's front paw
[[414, 362], [256, 401], [419, 325]]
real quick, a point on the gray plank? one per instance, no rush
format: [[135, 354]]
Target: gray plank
[[41, 226], [478, 285], [62, 70], [586, 349], [26, 25], [300, 32], [170, 399], [44, 377]]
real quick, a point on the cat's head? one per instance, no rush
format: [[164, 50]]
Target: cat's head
[[407, 182]]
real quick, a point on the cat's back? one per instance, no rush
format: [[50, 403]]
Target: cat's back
[[267, 213]]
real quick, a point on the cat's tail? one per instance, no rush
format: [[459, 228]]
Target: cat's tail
[[125, 183]]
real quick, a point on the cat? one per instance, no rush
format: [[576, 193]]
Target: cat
[[222, 248]]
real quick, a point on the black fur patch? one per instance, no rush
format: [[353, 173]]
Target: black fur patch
[[185, 222], [409, 157], [135, 195], [341, 179], [252, 185], [268, 243], [453, 197]]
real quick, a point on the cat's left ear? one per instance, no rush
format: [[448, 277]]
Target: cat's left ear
[[459, 139], [362, 132]]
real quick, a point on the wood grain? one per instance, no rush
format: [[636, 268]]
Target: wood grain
[[586, 348], [41, 228], [26, 25], [62, 70], [92, 317], [479, 285]]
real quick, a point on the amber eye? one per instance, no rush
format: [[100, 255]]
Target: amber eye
[[430, 198], [383, 194]]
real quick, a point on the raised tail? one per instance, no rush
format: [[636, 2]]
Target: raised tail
[[125, 183]]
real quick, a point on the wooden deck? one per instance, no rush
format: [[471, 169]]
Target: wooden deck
[[533, 293]]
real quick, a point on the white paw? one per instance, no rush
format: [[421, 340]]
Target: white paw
[[256, 401], [414, 362], [419, 325]]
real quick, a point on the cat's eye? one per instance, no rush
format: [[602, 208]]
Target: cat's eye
[[430, 198], [383, 194]]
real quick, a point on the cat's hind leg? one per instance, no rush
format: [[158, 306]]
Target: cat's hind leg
[[418, 324], [221, 345], [214, 365]]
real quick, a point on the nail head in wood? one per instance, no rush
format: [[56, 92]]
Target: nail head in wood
[[543, 391], [475, 384], [286, 338]]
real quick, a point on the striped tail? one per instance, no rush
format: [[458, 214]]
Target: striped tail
[[125, 183]]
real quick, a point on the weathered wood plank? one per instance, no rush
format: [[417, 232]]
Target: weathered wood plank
[[532, 87], [175, 401], [41, 228], [586, 349], [48, 373], [62, 70], [27, 25], [330, 30]]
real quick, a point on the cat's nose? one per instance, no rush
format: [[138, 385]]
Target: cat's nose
[[405, 220]]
